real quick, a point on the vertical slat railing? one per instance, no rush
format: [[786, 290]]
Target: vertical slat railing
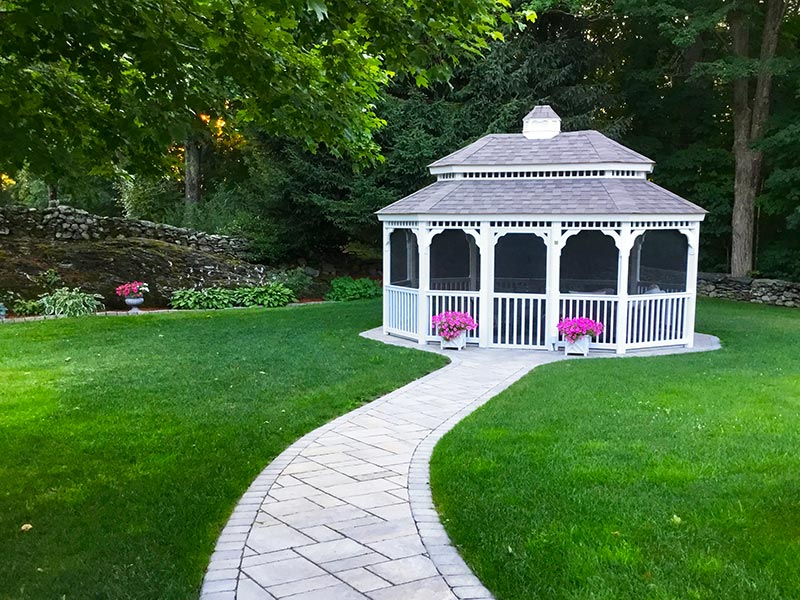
[[597, 307], [401, 310], [453, 301], [519, 320], [656, 320]]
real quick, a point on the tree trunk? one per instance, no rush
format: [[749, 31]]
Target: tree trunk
[[192, 177], [52, 194], [750, 116]]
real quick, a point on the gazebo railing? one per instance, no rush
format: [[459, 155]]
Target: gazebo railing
[[657, 320], [519, 321], [402, 313], [445, 301], [599, 307]]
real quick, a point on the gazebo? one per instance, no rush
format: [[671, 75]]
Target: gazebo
[[522, 230]]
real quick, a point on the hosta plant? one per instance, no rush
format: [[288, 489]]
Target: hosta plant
[[65, 302]]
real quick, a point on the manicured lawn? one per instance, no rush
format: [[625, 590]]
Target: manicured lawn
[[644, 478], [126, 442]]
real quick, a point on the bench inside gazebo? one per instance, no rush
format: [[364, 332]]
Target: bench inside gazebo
[[522, 230]]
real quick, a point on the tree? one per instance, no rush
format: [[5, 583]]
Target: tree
[[751, 109], [88, 84], [735, 44]]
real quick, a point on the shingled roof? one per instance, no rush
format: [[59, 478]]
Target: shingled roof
[[543, 197], [572, 147]]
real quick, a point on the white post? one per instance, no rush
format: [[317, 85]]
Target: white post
[[486, 316], [691, 285], [386, 275], [624, 245], [552, 284], [424, 244]]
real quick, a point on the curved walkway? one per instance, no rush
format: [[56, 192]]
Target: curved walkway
[[346, 511]]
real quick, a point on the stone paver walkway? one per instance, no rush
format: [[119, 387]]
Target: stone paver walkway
[[346, 511]]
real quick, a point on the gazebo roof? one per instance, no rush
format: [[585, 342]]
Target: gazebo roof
[[572, 147], [566, 196]]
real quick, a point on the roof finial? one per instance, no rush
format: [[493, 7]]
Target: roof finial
[[541, 123]]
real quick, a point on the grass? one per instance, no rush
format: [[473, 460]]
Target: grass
[[644, 478], [126, 442]]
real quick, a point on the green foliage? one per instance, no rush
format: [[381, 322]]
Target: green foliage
[[297, 280], [206, 298], [73, 101], [347, 288], [26, 308], [270, 296], [66, 302], [21, 307]]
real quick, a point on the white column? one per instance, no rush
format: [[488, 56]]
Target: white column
[[486, 316], [552, 284], [424, 244], [624, 245], [386, 274], [691, 285]]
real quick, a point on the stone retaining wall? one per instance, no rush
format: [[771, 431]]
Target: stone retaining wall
[[67, 223], [759, 291]]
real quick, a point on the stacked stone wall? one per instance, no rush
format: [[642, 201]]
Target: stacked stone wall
[[759, 291], [67, 223]]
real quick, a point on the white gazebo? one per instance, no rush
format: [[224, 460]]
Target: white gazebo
[[521, 230]]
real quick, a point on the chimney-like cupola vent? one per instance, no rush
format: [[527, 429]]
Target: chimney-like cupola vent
[[541, 123]]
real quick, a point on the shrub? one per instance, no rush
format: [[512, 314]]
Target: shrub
[[19, 305], [65, 302], [296, 280], [26, 308], [207, 298], [347, 288], [270, 296]]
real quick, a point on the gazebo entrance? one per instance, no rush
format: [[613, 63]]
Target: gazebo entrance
[[637, 278]]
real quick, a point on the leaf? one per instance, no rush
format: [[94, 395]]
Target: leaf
[[318, 7], [26, 527]]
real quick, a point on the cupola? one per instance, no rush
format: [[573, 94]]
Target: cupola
[[541, 123]]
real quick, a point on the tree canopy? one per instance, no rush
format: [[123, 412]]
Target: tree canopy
[[307, 92], [101, 81]]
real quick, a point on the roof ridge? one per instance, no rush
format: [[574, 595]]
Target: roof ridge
[[616, 144], [434, 201], [467, 155], [603, 183]]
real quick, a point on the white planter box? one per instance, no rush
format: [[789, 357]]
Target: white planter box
[[579, 346], [457, 342]]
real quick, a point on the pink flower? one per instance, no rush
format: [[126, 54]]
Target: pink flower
[[134, 289], [575, 328], [450, 325]]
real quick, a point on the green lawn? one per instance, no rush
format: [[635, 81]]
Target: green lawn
[[643, 478], [126, 442]]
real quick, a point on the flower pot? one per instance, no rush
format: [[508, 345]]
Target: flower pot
[[458, 342], [134, 303], [579, 346]]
